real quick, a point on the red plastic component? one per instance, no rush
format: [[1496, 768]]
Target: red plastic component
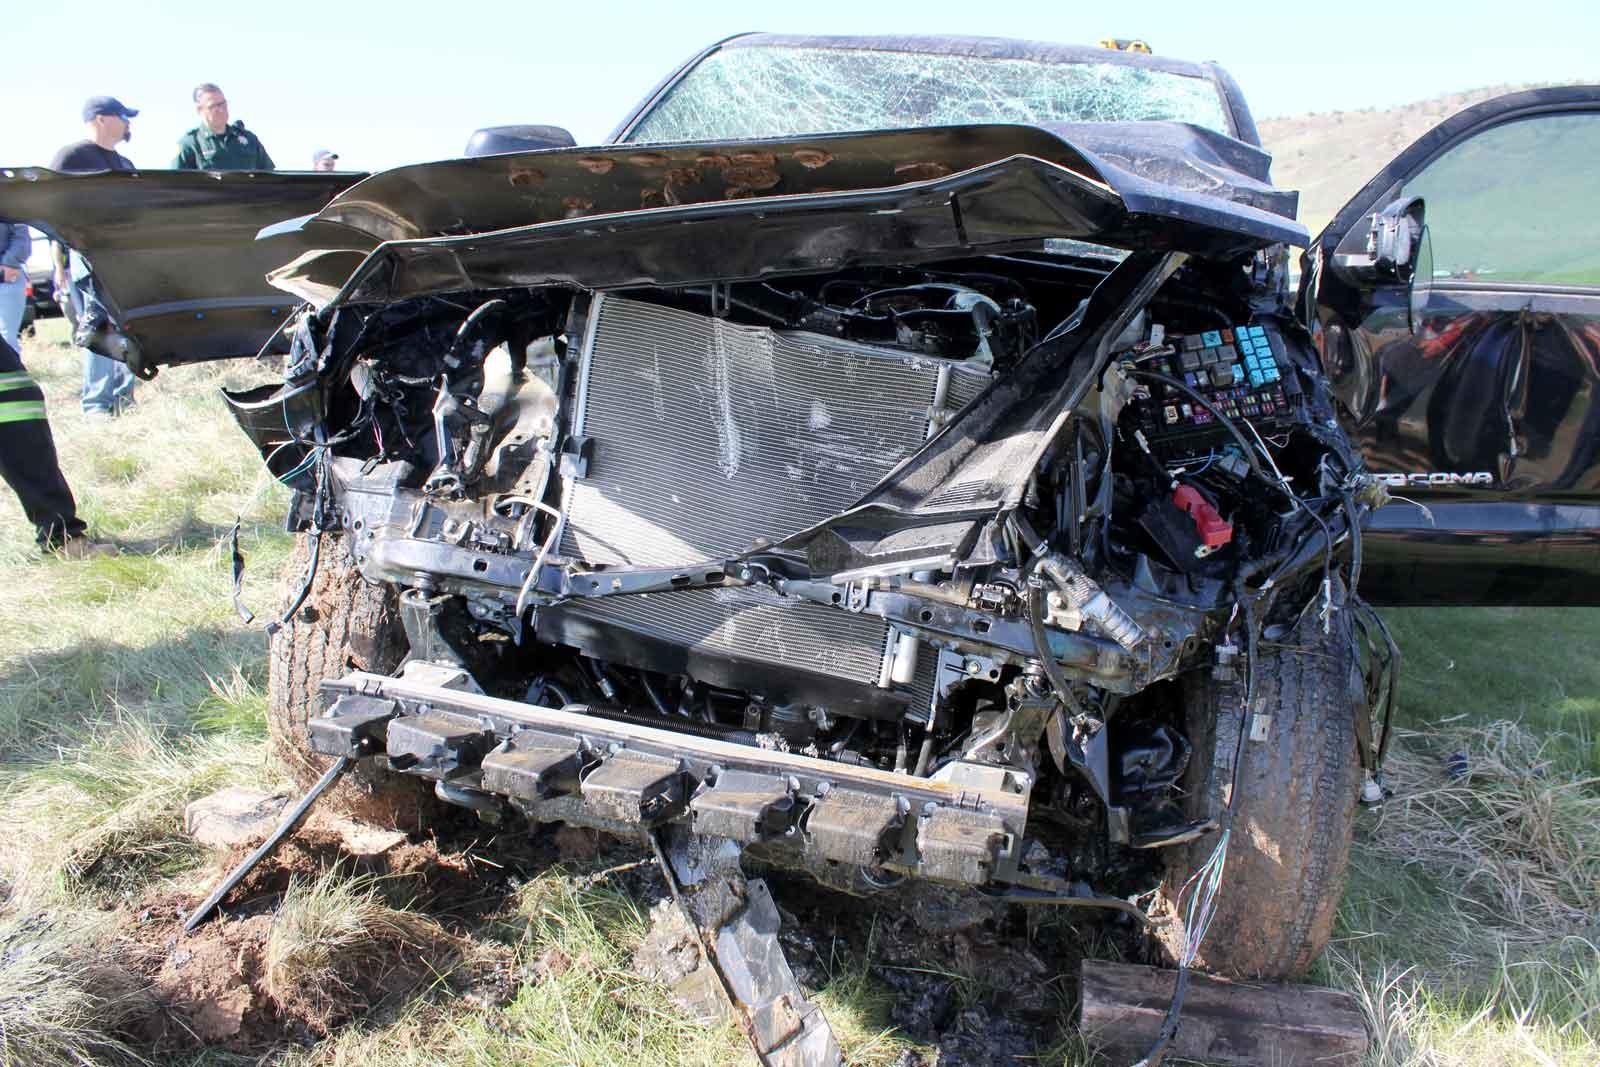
[[1214, 530]]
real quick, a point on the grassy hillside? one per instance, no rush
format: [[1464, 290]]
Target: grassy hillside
[[1329, 155]]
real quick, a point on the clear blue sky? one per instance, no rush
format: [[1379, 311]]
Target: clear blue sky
[[396, 82]]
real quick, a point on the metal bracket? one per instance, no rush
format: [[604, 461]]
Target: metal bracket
[[422, 615], [856, 828], [635, 788], [956, 845], [576, 453], [532, 766], [744, 806], [654, 579]]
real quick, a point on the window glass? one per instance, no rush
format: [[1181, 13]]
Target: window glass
[[1516, 203], [740, 93]]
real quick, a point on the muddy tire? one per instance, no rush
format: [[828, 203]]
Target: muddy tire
[[1294, 812], [345, 624]]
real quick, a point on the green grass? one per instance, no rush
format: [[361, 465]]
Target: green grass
[[1533, 666], [1472, 914], [129, 686]]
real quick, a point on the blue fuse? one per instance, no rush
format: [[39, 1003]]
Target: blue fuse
[[1211, 338]]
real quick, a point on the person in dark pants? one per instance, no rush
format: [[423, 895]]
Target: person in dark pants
[[29, 465]]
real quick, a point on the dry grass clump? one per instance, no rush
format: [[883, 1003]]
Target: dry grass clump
[[577, 1002], [59, 1004], [1469, 929], [108, 815], [1536, 1011], [336, 944], [1508, 822]]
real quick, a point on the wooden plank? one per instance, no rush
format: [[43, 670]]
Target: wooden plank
[[1223, 1022]]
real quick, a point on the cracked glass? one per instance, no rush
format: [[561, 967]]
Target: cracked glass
[[741, 93]]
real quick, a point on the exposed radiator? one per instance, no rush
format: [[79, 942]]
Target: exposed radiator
[[708, 435]]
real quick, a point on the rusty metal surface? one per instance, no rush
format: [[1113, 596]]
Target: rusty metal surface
[[683, 214]]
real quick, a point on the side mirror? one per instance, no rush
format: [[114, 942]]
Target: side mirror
[[497, 140], [1390, 249]]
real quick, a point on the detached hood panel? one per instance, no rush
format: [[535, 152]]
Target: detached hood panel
[[681, 214], [174, 252]]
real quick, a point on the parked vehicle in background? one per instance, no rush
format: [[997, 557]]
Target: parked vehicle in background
[[41, 278], [900, 456]]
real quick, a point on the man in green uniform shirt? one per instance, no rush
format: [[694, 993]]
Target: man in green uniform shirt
[[217, 144]]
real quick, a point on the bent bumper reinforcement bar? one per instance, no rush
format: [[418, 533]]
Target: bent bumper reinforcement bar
[[964, 825]]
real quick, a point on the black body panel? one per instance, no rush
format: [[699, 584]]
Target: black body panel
[[1479, 399], [685, 214], [174, 253]]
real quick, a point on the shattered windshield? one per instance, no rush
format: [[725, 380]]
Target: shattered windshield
[[741, 93]]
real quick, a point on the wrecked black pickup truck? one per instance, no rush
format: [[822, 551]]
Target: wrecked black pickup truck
[[904, 458]]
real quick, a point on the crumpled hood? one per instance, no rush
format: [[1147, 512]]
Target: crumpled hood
[[676, 214]]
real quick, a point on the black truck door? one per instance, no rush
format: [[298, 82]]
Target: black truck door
[[1474, 384]]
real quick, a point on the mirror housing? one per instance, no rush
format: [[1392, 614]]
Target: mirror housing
[[1390, 249], [497, 140]]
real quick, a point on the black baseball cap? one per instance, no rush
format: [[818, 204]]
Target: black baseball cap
[[106, 105]]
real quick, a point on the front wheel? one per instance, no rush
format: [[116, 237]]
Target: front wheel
[[1294, 810], [344, 624]]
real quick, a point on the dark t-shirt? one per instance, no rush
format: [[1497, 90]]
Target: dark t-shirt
[[86, 156]]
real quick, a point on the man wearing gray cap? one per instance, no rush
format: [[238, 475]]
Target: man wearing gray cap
[[324, 160], [107, 384]]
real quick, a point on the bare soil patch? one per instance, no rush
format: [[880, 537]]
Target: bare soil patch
[[214, 987]]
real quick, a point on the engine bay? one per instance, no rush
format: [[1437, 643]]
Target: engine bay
[[915, 521]]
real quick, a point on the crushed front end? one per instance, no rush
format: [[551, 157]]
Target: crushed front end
[[886, 560]]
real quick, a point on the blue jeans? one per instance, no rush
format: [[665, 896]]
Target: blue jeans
[[107, 384], [13, 297]]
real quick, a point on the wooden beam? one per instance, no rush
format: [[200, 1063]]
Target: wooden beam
[[1223, 1022]]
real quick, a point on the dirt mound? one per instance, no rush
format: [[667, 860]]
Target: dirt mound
[[313, 937]]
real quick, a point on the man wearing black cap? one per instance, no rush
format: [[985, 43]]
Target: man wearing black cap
[[107, 384], [217, 144], [107, 118]]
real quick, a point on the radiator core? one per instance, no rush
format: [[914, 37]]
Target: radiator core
[[709, 435]]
